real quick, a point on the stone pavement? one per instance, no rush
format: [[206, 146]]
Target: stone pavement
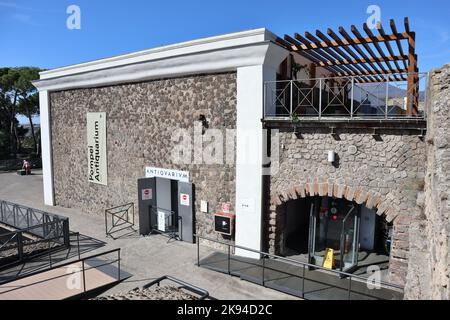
[[146, 258]]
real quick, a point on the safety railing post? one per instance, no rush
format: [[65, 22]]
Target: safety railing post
[[386, 110], [290, 99], [320, 98], [303, 283], [19, 245], [352, 97], [349, 287], [229, 260], [263, 270], [198, 252], [118, 265], [84, 276], [78, 246]]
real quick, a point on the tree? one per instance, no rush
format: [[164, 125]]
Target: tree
[[17, 95]]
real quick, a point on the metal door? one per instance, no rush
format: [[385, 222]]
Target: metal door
[[146, 200], [186, 211]]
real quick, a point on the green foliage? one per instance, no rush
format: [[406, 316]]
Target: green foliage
[[17, 96]]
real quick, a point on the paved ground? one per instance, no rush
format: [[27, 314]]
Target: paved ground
[[144, 257]]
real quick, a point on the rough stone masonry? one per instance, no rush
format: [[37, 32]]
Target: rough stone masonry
[[141, 118], [429, 263]]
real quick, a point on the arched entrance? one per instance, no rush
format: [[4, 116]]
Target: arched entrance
[[310, 226], [354, 234]]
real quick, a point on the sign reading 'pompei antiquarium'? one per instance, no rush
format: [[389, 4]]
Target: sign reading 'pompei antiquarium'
[[96, 142]]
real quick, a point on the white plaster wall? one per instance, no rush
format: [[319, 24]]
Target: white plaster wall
[[47, 173]]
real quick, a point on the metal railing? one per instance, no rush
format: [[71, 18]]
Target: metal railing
[[120, 216], [82, 270], [166, 222], [36, 222], [202, 292], [345, 97], [303, 265]]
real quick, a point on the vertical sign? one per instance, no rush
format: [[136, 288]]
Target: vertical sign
[[96, 142]]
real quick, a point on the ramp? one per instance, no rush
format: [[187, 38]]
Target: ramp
[[70, 280]]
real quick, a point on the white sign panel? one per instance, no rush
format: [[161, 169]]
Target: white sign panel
[[184, 199], [96, 143], [161, 221], [182, 176]]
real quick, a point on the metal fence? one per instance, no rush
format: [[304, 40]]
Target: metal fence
[[345, 97], [303, 266], [33, 232], [121, 218], [36, 222], [166, 222]]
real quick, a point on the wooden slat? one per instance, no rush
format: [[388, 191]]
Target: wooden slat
[[388, 46], [398, 42], [367, 47]]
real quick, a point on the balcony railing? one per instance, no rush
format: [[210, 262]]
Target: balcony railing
[[346, 98]]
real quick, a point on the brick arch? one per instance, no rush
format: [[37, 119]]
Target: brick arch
[[370, 199], [360, 195]]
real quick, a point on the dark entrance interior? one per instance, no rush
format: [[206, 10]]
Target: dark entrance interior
[[357, 236]]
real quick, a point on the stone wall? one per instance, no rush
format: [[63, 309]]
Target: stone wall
[[383, 171], [429, 267], [141, 118]]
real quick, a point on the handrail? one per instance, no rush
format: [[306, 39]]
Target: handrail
[[204, 294], [304, 264], [67, 264]]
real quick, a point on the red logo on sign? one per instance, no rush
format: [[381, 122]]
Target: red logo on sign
[[147, 192], [184, 197]]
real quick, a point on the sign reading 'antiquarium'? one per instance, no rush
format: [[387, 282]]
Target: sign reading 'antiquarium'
[[96, 143]]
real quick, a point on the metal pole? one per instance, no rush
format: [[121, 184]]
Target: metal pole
[[118, 265], [303, 283], [263, 270], [290, 102], [352, 96], [84, 276], [387, 98], [106, 224], [198, 252], [264, 99], [229, 257], [349, 286], [320, 98], [78, 245]]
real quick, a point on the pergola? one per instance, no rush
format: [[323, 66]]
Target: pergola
[[369, 58]]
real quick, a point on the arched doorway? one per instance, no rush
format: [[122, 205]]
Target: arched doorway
[[354, 235]]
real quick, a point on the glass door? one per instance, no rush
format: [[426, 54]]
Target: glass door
[[334, 228], [349, 240]]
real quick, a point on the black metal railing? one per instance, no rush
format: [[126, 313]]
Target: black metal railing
[[122, 218], [345, 98], [264, 255], [84, 268], [166, 222], [201, 292], [36, 222]]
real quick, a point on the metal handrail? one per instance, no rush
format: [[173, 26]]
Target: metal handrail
[[292, 261], [203, 293], [83, 270], [380, 105]]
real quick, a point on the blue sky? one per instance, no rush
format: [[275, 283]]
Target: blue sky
[[34, 33]]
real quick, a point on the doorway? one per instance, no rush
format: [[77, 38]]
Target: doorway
[[355, 235]]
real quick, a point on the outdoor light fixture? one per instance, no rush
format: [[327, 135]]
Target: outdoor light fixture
[[205, 125], [331, 156]]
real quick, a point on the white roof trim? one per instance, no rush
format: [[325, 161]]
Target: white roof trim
[[190, 47]]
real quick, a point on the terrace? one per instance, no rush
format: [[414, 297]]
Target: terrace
[[343, 79]]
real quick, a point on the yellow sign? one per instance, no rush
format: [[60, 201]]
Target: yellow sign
[[328, 259]]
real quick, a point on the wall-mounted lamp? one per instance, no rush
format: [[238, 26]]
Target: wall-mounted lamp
[[205, 125], [331, 156]]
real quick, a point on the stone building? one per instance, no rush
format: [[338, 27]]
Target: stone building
[[309, 151]]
